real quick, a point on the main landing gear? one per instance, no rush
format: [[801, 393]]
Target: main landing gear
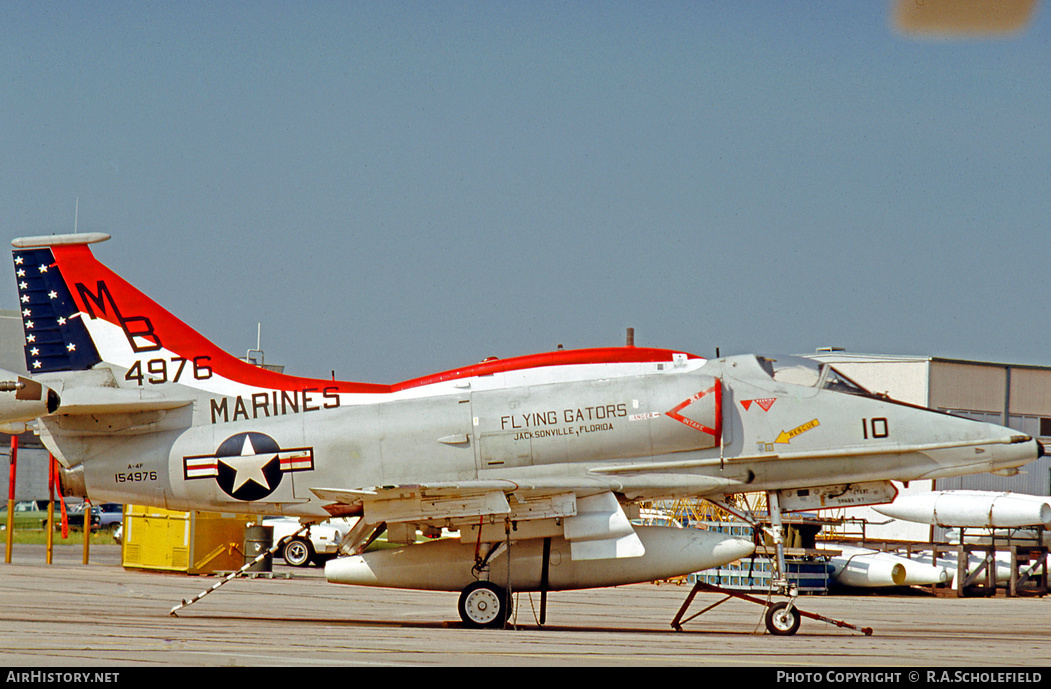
[[483, 604], [486, 605]]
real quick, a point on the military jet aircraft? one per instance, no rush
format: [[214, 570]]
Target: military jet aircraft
[[537, 462]]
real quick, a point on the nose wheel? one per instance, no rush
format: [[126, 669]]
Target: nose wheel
[[782, 619], [483, 604]]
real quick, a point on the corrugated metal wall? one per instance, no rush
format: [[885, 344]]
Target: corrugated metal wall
[[997, 393], [972, 387], [31, 471]]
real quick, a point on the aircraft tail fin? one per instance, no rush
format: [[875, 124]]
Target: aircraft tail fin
[[77, 313], [55, 338]]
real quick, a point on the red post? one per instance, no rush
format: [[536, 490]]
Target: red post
[[11, 498], [50, 508], [61, 499], [14, 463]]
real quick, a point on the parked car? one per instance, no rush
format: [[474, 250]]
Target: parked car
[[32, 514], [75, 515], [111, 515], [314, 546], [26, 515]]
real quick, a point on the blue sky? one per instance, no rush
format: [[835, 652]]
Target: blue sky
[[397, 188]]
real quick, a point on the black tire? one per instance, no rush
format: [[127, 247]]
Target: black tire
[[781, 621], [298, 552], [321, 558], [484, 605]]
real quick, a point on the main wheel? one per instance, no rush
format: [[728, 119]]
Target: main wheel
[[298, 552], [484, 604], [781, 620]]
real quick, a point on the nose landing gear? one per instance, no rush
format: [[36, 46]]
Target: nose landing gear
[[783, 618]]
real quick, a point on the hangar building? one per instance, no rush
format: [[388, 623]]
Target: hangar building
[[1017, 396]]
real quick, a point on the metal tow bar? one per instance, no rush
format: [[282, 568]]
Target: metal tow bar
[[701, 586], [234, 575]]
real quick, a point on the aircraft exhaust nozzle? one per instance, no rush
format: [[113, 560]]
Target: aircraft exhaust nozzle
[[866, 573], [72, 483], [861, 567], [24, 399]]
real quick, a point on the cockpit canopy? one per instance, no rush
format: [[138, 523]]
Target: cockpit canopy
[[797, 370]]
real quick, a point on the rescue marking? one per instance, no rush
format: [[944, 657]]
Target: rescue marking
[[785, 437]]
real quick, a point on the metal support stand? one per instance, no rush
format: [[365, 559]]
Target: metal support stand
[[781, 618], [1033, 579], [1027, 564], [701, 586]]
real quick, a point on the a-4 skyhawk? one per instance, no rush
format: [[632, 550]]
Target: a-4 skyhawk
[[537, 462]]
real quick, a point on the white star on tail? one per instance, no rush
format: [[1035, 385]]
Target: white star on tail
[[249, 466]]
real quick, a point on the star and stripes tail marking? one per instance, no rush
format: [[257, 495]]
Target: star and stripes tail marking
[[56, 338]]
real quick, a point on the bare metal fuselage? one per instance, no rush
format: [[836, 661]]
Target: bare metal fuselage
[[739, 430]]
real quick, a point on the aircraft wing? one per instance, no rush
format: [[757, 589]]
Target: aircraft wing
[[639, 486], [584, 509]]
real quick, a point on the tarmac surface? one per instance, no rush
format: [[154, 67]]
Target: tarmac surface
[[68, 614]]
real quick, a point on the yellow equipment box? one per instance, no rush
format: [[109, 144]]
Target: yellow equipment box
[[191, 542]]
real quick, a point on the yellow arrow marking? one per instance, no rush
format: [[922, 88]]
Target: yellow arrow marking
[[785, 437]]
